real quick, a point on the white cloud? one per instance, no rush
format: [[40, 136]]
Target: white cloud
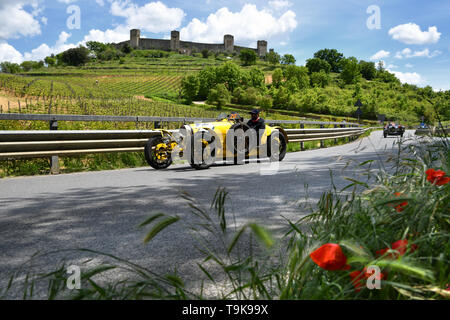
[[100, 2], [279, 4], [152, 17], [380, 55], [44, 20], [16, 22], [392, 66], [409, 65], [408, 53], [9, 53], [410, 33], [119, 34], [44, 50], [67, 1], [408, 77], [248, 25]]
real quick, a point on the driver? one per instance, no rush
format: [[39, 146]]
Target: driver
[[256, 122]]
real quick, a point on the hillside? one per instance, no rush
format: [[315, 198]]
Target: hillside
[[119, 85]]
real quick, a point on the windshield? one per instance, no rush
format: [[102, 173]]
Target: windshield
[[222, 116]]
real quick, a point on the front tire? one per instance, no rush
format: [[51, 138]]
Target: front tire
[[280, 146], [156, 153]]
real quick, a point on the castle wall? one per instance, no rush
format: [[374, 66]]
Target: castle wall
[[174, 44], [156, 44], [194, 46]]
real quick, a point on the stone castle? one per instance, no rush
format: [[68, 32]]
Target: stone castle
[[186, 47]]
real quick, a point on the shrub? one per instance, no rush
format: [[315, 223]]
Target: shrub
[[8, 67], [248, 57], [76, 56], [320, 79], [189, 87], [317, 65], [219, 96]]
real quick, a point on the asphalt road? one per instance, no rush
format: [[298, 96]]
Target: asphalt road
[[102, 210]]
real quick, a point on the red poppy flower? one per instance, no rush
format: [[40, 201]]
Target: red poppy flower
[[357, 280], [400, 246], [330, 257], [401, 206], [437, 177], [367, 274]]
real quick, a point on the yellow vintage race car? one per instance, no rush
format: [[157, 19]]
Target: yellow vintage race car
[[226, 139]]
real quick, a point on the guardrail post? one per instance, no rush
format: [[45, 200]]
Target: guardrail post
[[54, 161], [335, 140], [302, 144], [321, 141]]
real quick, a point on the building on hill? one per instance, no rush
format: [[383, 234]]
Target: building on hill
[[187, 47]]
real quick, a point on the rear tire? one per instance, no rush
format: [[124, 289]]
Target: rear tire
[[151, 154], [240, 156], [206, 163]]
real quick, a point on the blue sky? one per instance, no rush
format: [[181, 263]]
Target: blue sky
[[412, 37]]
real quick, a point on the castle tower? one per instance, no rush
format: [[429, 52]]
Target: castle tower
[[175, 40], [228, 42], [262, 48], [135, 35]]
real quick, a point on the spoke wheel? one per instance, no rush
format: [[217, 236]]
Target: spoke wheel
[[157, 153]]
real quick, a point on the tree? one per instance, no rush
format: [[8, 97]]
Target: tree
[[50, 61], [248, 57], [297, 74], [219, 95], [126, 48], [281, 98], [205, 53], [8, 67], [332, 56], [350, 72], [273, 57], [76, 56], [288, 59], [229, 74], [96, 46], [190, 86], [277, 77], [257, 78], [265, 102], [368, 70], [31, 65], [317, 65], [387, 77], [208, 79], [320, 79]]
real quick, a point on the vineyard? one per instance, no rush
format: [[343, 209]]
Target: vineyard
[[89, 87]]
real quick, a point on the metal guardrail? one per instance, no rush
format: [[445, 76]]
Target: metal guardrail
[[53, 143], [37, 144], [437, 130]]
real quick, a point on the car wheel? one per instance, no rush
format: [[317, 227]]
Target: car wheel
[[279, 142], [157, 154], [240, 154], [198, 161]]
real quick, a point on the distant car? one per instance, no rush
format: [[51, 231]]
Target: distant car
[[393, 129], [422, 126]]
